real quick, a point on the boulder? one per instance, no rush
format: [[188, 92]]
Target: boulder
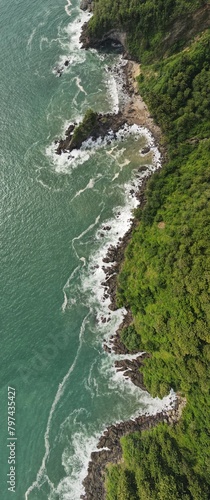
[[84, 4], [145, 150]]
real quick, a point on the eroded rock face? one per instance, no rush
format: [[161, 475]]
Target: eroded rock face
[[113, 35]]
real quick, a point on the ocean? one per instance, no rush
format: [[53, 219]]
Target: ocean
[[64, 388]]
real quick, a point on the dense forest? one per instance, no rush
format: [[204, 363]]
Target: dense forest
[[165, 279]]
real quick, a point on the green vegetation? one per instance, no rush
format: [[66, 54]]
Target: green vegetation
[[165, 281], [146, 22], [85, 129], [165, 471], [131, 339]]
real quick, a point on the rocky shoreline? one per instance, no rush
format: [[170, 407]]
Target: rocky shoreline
[[115, 257], [134, 111], [109, 447]]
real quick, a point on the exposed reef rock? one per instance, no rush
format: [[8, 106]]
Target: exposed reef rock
[[58, 70], [131, 369]]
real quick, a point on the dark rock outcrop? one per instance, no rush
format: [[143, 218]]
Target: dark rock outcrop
[[103, 125], [112, 35], [145, 150]]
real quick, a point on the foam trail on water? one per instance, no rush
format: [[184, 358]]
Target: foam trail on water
[[43, 39], [31, 37], [91, 383], [33, 34], [80, 87], [91, 226], [82, 259], [65, 302], [67, 6], [42, 475], [90, 185]]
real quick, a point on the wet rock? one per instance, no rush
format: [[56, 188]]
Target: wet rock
[[143, 168], [84, 5], [70, 129], [145, 150], [106, 348], [103, 124]]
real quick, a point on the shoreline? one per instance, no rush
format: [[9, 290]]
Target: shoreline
[[134, 111], [110, 451]]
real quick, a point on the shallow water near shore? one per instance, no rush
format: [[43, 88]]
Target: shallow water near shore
[[54, 211]]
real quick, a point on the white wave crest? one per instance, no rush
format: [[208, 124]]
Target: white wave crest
[[69, 40], [71, 488]]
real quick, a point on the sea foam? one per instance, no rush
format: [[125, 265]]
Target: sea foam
[[119, 224], [69, 40], [68, 161]]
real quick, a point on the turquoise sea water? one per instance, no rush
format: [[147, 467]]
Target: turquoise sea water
[[52, 243]]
